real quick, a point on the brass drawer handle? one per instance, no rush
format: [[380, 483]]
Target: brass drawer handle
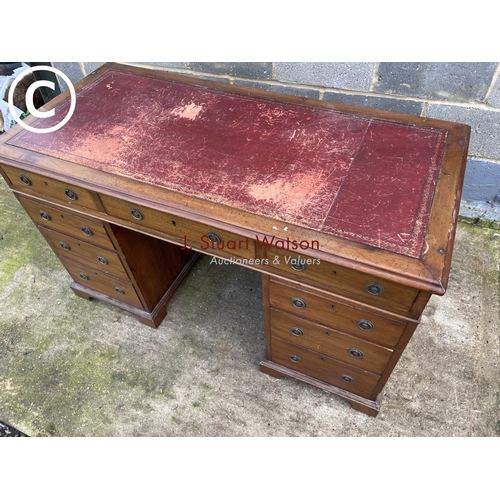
[[71, 194], [65, 245], [136, 214], [45, 216], [119, 290], [356, 353], [374, 288], [297, 264], [298, 302], [102, 260], [295, 358], [365, 325], [347, 378], [296, 331], [84, 277], [25, 180], [214, 238], [87, 231]]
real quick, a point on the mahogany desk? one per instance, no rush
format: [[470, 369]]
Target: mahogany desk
[[348, 213]]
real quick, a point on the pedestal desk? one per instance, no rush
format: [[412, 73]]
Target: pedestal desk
[[348, 213]]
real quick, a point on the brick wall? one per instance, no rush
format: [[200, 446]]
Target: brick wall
[[466, 92]]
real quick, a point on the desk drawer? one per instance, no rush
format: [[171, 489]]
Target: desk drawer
[[102, 282], [91, 231], [59, 191], [197, 235], [323, 368], [346, 348], [66, 246], [374, 291], [335, 314]]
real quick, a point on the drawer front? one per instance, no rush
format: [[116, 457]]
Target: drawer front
[[91, 231], [351, 350], [99, 258], [102, 282], [184, 231], [374, 291], [323, 368], [59, 191], [337, 315]]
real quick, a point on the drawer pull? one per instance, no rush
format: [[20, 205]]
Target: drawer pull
[[347, 378], [84, 276], [296, 331], [71, 194], [295, 358], [65, 245], [374, 288], [214, 238], [136, 214], [298, 302], [297, 264], [25, 180], [356, 353], [45, 216], [119, 290], [365, 325], [87, 231], [102, 260]]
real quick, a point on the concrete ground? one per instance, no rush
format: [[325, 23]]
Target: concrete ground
[[70, 367]]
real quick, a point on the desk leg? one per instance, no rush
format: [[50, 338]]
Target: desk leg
[[154, 314], [358, 403], [151, 319], [268, 370]]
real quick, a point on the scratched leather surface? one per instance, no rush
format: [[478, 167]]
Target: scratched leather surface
[[364, 179]]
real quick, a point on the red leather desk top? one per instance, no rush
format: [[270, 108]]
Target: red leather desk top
[[361, 178]]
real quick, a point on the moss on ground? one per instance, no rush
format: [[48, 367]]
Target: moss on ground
[[70, 367], [57, 366], [488, 240]]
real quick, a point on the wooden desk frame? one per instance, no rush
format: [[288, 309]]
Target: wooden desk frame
[[168, 220]]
